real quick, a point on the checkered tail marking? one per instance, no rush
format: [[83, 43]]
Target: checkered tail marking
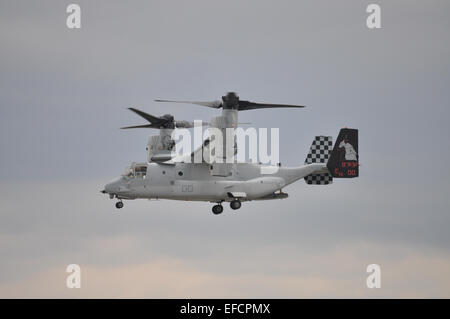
[[318, 153]]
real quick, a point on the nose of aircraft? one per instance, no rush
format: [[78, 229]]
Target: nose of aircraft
[[113, 186]]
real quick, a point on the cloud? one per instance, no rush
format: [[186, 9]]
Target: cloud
[[312, 248], [329, 274]]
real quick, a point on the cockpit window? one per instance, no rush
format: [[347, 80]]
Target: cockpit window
[[140, 171], [128, 172]]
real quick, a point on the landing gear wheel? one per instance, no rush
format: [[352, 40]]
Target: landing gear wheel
[[217, 209], [119, 205], [236, 204]]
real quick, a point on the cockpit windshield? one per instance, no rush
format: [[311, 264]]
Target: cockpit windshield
[[135, 170], [128, 172]]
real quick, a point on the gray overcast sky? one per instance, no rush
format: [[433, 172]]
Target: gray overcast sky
[[64, 94]]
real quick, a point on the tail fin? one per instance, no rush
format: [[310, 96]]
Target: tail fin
[[344, 158], [318, 153]]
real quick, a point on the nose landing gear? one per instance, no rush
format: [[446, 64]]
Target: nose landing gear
[[119, 205]]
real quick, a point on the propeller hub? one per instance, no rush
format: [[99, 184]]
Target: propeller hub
[[230, 100], [168, 117]]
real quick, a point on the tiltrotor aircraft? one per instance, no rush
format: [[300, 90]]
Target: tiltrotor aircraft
[[164, 176]]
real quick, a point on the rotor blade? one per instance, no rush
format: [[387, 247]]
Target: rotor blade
[[213, 104], [187, 124], [247, 105], [140, 126], [152, 119]]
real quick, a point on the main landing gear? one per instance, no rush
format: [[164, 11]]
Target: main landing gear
[[236, 204], [217, 209], [119, 205]]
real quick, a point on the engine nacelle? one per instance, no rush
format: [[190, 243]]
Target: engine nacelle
[[159, 147]]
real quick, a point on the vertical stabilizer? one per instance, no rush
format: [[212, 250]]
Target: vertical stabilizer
[[318, 153], [344, 159]]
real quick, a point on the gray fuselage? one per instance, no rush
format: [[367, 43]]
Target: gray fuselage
[[194, 182]]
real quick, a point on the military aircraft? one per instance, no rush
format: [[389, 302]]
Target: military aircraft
[[166, 177]]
